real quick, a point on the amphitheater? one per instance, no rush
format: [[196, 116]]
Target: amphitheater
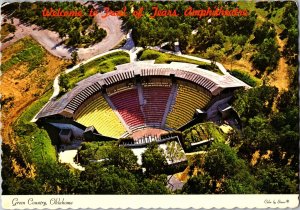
[[140, 98]]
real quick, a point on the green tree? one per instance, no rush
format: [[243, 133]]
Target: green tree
[[259, 134], [123, 158], [222, 161], [64, 82], [258, 100], [74, 57], [267, 56], [231, 172], [266, 30], [174, 151], [148, 186], [290, 21], [55, 178], [275, 180], [214, 53], [97, 179], [153, 159], [81, 69], [91, 151], [241, 186], [286, 124], [199, 184]]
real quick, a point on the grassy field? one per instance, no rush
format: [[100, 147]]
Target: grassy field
[[33, 142], [32, 54], [101, 65], [160, 57]]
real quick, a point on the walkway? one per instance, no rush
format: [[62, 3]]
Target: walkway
[[68, 156], [174, 183]]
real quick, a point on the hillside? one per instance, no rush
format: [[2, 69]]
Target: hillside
[[28, 71]]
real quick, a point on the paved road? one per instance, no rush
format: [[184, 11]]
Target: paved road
[[51, 42]]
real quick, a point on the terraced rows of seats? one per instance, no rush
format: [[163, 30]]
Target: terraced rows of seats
[[127, 104], [148, 110], [188, 99], [155, 102], [99, 114]]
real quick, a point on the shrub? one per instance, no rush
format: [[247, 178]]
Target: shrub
[[245, 77]]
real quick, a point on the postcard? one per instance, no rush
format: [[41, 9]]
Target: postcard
[[149, 104]]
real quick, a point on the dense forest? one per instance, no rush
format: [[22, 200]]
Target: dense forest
[[261, 157], [222, 38]]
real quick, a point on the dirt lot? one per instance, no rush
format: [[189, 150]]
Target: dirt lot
[[20, 87]]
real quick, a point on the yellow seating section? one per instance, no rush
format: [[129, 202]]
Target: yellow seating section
[[188, 99], [99, 114]]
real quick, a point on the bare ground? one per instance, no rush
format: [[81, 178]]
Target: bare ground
[[279, 77], [256, 157], [25, 87], [241, 64]]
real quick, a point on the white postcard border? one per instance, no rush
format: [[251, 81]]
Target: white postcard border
[[272, 201], [149, 201]]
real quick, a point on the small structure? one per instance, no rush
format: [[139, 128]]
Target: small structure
[[200, 114], [225, 128], [89, 132], [202, 142], [65, 136], [225, 110]]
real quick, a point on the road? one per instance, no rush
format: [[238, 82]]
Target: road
[[51, 42]]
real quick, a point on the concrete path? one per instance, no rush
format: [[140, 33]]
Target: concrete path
[[68, 156], [56, 88], [174, 183], [129, 41]]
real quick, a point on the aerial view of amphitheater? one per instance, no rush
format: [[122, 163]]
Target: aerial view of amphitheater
[[121, 102], [139, 101]]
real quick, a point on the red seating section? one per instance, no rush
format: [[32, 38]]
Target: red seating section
[[127, 104], [155, 102]]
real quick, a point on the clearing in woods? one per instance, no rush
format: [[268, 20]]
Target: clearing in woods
[[280, 76]]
